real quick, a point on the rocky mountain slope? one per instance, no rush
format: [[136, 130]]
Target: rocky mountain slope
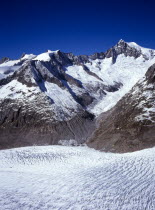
[[56, 95], [130, 125]]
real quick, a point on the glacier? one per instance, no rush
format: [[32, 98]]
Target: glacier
[[65, 177]]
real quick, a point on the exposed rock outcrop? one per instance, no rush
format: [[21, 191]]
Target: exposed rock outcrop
[[4, 59], [130, 125]]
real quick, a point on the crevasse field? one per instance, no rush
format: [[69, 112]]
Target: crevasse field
[[61, 177]]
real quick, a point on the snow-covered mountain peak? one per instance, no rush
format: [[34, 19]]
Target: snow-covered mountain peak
[[149, 53], [28, 57], [50, 51], [130, 49], [46, 56], [134, 44], [123, 44], [43, 57]]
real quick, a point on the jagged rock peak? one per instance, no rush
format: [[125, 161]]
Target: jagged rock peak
[[4, 59], [121, 41], [129, 45], [121, 44], [23, 54]]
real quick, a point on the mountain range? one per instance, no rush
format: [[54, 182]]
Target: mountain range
[[105, 100]]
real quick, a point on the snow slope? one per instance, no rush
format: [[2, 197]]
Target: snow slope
[[8, 68], [126, 70], [45, 56], [149, 53], [57, 177]]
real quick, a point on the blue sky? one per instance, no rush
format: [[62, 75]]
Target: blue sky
[[81, 27]]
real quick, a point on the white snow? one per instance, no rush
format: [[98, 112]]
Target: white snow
[[71, 142], [15, 89], [5, 71], [88, 81], [28, 57], [147, 113], [11, 66], [80, 74], [64, 104], [9, 63], [57, 177], [149, 53], [127, 70], [45, 56], [143, 93], [8, 68]]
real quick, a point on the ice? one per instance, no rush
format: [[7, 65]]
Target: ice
[[60, 177]]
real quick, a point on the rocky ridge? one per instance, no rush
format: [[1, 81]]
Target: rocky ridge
[[55, 95]]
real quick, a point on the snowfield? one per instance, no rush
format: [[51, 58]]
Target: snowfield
[[127, 71], [60, 177]]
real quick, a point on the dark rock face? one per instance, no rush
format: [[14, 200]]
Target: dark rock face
[[97, 56], [150, 75], [130, 125], [23, 126], [5, 59], [23, 54]]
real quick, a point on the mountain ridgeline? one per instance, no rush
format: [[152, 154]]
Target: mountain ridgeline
[[100, 99]]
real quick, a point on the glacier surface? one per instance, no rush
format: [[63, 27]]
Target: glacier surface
[[61, 177]]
